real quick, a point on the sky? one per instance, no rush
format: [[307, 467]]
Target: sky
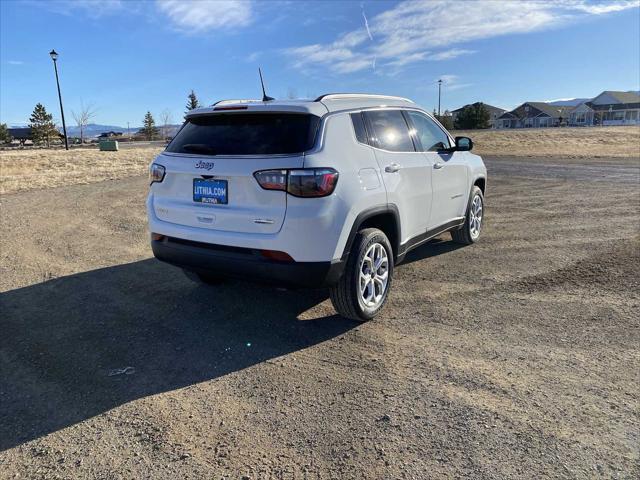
[[125, 57]]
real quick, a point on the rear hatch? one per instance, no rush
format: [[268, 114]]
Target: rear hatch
[[209, 180]]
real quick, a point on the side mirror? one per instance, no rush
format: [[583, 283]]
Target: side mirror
[[464, 144]]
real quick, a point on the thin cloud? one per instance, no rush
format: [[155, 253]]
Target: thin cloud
[[407, 59], [15, 62], [353, 66], [447, 78], [602, 8], [252, 57], [366, 25], [203, 15], [403, 35], [450, 54], [90, 8], [451, 82], [458, 86]]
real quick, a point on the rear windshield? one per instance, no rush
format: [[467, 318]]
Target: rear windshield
[[246, 134]]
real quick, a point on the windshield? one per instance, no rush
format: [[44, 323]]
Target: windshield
[[246, 134]]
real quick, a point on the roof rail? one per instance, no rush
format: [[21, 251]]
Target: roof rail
[[329, 96], [243, 100]]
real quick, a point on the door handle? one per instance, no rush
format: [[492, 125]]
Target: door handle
[[393, 168], [438, 166]]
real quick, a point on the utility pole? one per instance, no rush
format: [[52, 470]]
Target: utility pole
[[439, 87], [54, 57], [128, 134]]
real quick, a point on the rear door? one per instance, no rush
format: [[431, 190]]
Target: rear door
[[405, 171], [449, 170], [209, 180]]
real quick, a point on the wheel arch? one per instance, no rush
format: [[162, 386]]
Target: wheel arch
[[480, 182], [385, 218]]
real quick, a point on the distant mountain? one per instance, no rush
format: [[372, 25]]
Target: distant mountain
[[94, 129], [568, 102]]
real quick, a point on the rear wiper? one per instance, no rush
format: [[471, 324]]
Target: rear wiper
[[199, 148]]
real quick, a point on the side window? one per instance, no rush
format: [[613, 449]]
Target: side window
[[358, 126], [431, 136], [390, 130]]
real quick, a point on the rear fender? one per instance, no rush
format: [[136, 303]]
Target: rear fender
[[393, 231]]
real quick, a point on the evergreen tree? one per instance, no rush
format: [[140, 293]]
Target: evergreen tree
[[193, 101], [473, 116], [4, 133], [446, 120], [42, 127], [149, 129]]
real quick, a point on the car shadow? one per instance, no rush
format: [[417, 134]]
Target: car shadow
[[74, 347], [432, 248]]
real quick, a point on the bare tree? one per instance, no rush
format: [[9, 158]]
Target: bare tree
[[83, 117], [165, 120]]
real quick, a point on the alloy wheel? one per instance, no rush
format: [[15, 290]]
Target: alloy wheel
[[374, 275], [475, 220]]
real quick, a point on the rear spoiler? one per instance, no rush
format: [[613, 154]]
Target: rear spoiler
[[252, 108]]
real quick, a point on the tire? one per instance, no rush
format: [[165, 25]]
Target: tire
[[346, 295], [206, 278], [470, 232]]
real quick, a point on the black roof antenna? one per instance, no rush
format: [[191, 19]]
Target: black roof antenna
[[265, 97]]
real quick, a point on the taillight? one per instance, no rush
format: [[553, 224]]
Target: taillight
[[156, 173], [272, 179], [300, 182], [312, 182]]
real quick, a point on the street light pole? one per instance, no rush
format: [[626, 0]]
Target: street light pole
[[439, 87], [54, 57]]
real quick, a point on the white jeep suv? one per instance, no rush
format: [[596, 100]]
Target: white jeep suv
[[331, 192]]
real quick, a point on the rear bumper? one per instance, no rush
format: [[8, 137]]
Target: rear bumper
[[245, 263]]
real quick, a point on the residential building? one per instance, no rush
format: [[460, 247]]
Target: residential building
[[608, 108], [495, 113], [20, 135], [24, 136], [534, 115], [111, 134]]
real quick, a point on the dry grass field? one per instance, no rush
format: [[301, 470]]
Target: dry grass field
[[22, 170], [557, 142]]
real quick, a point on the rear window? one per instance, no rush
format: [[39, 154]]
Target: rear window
[[246, 134]]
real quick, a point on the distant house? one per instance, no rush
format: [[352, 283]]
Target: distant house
[[534, 115], [608, 108], [111, 134], [24, 135], [495, 113], [20, 135]]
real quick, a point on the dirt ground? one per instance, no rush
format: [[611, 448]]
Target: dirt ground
[[514, 358], [557, 142]]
